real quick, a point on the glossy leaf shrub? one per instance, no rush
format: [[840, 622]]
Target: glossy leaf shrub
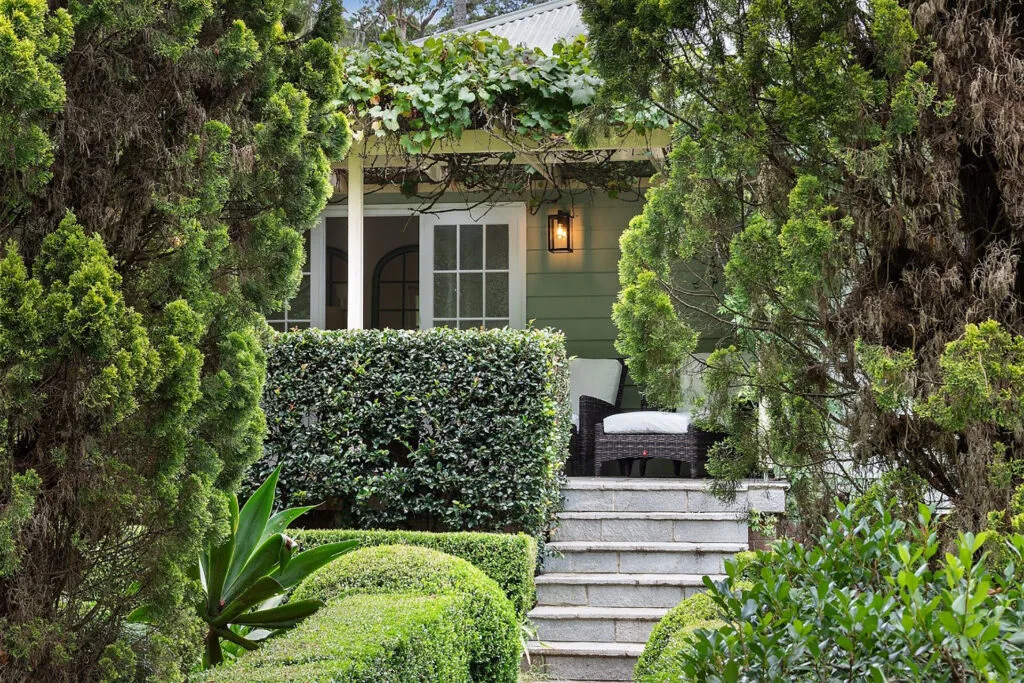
[[490, 626], [443, 430], [396, 638], [876, 599], [509, 559]]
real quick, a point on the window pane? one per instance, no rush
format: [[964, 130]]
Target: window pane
[[497, 295], [279, 326], [471, 247], [412, 266], [497, 247], [470, 324], [492, 324], [298, 325], [392, 270], [411, 320], [444, 248], [337, 295], [471, 299], [412, 296], [390, 296], [298, 308], [444, 295], [392, 319], [444, 323]]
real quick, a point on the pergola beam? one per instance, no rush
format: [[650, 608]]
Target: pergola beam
[[486, 142]]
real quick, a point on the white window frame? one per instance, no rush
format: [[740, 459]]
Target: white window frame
[[317, 249], [511, 213]]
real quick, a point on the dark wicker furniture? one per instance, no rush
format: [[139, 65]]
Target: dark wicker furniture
[[690, 447], [592, 411]]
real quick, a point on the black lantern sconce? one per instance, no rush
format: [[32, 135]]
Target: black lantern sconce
[[560, 233]]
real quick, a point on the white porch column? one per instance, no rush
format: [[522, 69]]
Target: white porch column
[[355, 240]]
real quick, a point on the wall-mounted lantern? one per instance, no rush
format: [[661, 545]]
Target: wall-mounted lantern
[[560, 232]]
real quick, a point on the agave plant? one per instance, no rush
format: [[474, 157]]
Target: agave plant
[[245, 579]]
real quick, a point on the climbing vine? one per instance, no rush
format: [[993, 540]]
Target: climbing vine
[[412, 97]]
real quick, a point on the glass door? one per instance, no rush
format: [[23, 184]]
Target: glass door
[[472, 268]]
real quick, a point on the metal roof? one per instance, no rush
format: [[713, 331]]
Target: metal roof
[[539, 26]]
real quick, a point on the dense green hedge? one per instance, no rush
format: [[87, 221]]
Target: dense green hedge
[[509, 559], [365, 639], [669, 634], [490, 627], [441, 429]]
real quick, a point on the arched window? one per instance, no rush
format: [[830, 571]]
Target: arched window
[[396, 289]]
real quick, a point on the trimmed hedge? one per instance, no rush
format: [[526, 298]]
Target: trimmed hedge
[[490, 628], [365, 639], [509, 559], [695, 611], [441, 429]]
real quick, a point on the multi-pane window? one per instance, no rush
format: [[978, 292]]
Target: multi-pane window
[[471, 276], [296, 312]]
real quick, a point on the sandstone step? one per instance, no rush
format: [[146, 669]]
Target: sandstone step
[[610, 557], [723, 527], [618, 590], [596, 624], [586, 661], [607, 494]]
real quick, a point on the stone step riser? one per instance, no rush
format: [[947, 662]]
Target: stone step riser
[[638, 562], [661, 530], [595, 630], [583, 595], [584, 668], [629, 498], [648, 501]]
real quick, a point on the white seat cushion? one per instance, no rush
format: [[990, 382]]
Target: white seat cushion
[[647, 422], [597, 377]]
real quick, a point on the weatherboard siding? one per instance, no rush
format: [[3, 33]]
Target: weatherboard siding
[[573, 292]]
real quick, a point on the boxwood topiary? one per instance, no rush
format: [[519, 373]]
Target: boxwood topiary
[[509, 559], [492, 632], [696, 609], [441, 429], [365, 639]]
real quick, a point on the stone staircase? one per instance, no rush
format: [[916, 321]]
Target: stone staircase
[[627, 551]]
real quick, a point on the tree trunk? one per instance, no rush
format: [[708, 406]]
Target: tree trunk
[[459, 13]]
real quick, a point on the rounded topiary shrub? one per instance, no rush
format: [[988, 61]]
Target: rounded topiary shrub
[[695, 611], [492, 642]]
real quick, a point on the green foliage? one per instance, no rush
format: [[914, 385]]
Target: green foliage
[[142, 232], [696, 610], [33, 41], [491, 628], [21, 499], [818, 222], [874, 599], [509, 559], [441, 429], [365, 639], [245, 576], [424, 94]]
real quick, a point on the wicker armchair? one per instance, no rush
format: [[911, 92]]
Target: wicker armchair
[[592, 412]]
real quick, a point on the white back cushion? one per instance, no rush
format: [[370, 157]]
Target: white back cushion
[[647, 422], [597, 377]]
